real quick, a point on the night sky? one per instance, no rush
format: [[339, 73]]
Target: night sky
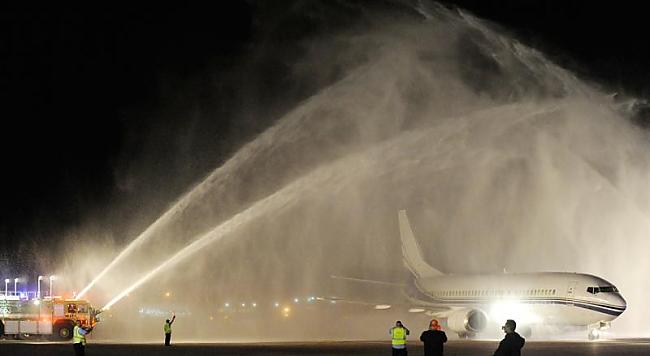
[[88, 95]]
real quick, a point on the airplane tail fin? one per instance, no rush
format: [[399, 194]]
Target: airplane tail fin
[[411, 250]]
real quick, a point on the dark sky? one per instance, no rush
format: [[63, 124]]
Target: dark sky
[[82, 90]]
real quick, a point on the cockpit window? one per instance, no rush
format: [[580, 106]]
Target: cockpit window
[[606, 289]]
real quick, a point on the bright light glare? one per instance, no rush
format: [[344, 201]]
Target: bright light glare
[[382, 306], [521, 313], [37, 302]]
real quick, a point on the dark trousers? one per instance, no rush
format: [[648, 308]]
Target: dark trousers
[[168, 338], [400, 352], [79, 349]]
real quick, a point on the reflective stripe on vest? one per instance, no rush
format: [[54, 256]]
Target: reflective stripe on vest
[[77, 336], [399, 336], [168, 328]]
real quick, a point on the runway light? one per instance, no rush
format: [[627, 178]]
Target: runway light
[[37, 302], [416, 310], [380, 306], [168, 294], [243, 305], [286, 309], [227, 305], [277, 305], [296, 300], [254, 305]]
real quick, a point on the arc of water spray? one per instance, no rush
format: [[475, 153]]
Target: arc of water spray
[[203, 186], [334, 172]]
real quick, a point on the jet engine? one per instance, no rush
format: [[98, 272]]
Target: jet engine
[[467, 322]]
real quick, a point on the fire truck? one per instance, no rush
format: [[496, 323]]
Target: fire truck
[[54, 317]]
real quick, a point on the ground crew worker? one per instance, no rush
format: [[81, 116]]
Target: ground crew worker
[[399, 333], [433, 339], [168, 330], [512, 343], [79, 338]]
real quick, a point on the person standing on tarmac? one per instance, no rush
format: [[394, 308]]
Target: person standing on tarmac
[[168, 330], [399, 333], [512, 343], [433, 339], [79, 338]]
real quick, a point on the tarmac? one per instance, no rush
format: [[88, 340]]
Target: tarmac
[[452, 348]]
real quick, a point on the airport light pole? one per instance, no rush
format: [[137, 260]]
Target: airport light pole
[[6, 284], [15, 286], [38, 293], [51, 282]]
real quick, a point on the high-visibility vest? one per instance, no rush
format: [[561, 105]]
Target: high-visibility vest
[[77, 336], [399, 336], [168, 328]]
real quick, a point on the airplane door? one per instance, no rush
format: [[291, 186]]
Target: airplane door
[[571, 291]]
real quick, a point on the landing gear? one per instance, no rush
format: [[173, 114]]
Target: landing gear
[[596, 329], [467, 336]]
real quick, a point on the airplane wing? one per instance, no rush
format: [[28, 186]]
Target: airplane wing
[[384, 302], [370, 281], [437, 311]]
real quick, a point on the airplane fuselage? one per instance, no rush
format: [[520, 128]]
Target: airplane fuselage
[[545, 297]]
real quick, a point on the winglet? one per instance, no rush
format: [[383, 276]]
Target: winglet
[[411, 250]]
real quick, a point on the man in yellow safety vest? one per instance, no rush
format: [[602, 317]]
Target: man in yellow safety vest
[[79, 338], [398, 334], [168, 330]]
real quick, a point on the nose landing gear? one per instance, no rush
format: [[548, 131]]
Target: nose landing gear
[[595, 330]]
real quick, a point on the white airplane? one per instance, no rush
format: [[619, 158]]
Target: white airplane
[[470, 302]]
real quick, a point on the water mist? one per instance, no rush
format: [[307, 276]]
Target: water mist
[[501, 158]]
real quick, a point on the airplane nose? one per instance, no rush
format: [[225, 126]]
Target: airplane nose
[[619, 301]]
